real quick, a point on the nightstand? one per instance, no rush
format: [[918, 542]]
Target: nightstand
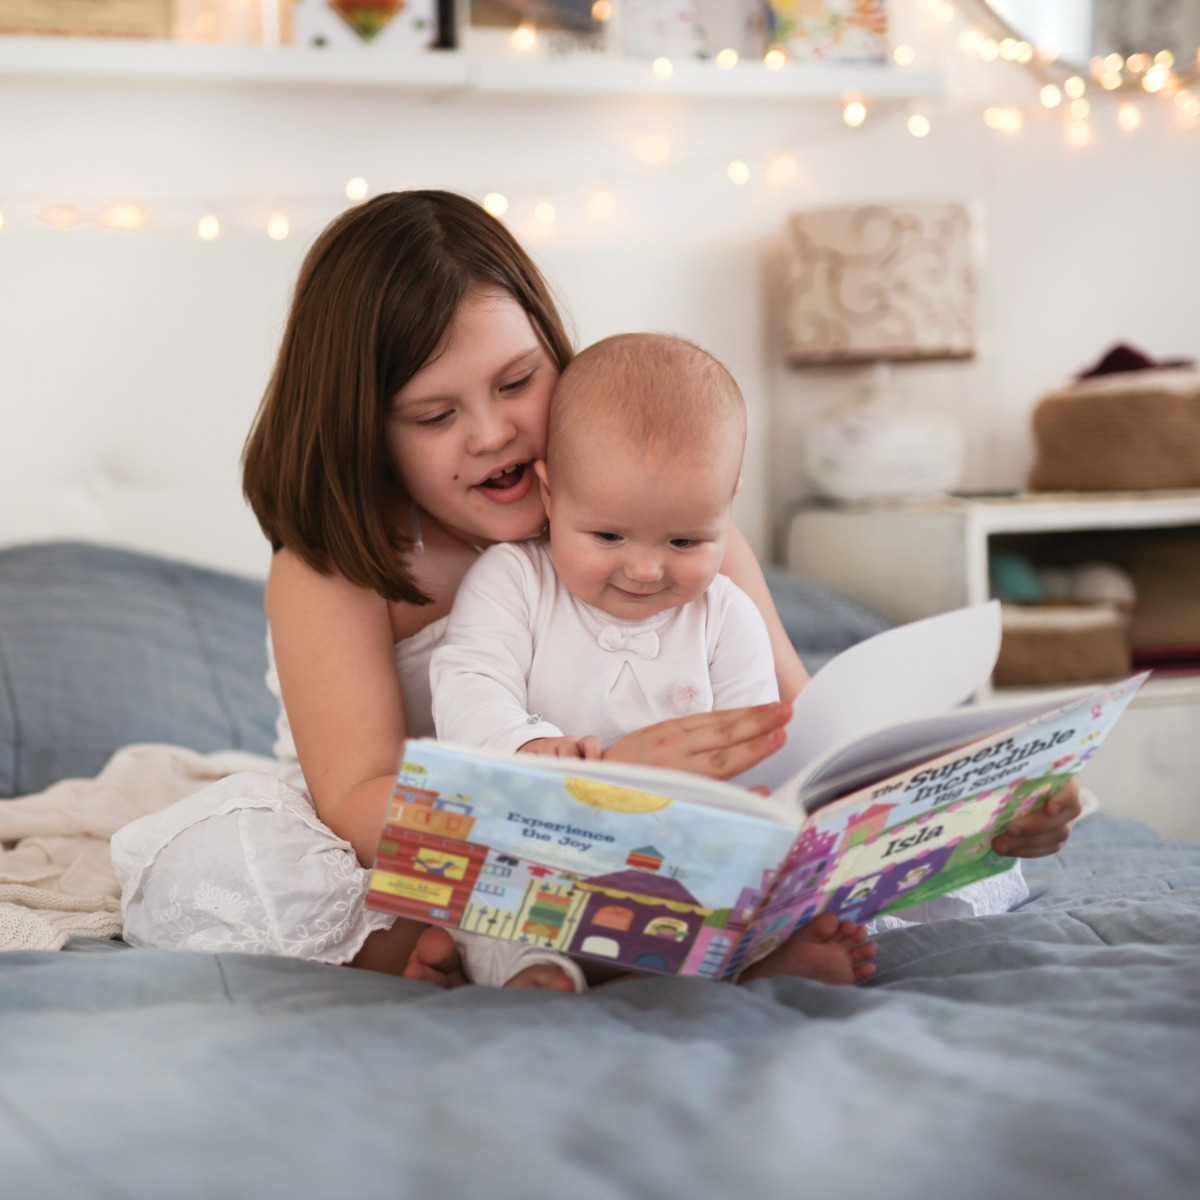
[[910, 558]]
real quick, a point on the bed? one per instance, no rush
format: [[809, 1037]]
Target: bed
[[1049, 1052]]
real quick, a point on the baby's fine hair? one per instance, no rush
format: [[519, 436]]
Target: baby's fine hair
[[376, 294], [660, 391]]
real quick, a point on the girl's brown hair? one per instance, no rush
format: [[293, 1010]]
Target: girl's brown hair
[[375, 295]]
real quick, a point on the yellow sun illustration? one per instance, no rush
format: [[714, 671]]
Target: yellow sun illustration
[[613, 798]]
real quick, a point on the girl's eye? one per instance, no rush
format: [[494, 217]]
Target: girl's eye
[[517, 384], [684, 543], [435, 420], [609, 539]]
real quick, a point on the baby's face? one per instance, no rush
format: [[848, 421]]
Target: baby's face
[[635, 533]]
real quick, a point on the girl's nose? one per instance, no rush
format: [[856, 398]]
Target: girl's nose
[[491, 430]]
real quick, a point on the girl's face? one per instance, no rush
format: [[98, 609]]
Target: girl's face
[[464, 432]]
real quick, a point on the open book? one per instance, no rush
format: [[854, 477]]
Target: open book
[[887, 793]]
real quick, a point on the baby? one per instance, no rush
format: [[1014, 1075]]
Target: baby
[[619, 618]]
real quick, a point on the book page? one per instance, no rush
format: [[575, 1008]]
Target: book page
[[915, 670]]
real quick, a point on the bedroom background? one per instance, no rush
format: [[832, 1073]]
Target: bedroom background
[[133, 358]]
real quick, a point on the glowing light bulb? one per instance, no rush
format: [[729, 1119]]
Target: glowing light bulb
[[357, 188], [61, 216], [775, 59], [1079, 133], [993, 117], [971, 41], [1164, 58], [1136, 64], [855, 113], [545, 213], [1011, 121], [1189, 104], [208, 228], [989, 49], [1047, 52], [1080, 108], [1113, 63], [125, 215], [278, 228], [524, 37], [602, 10], [1051, 96], [1129, 117], [1024, 53], [1008, 49], [738, 172], [1, 220], [663, 68], [601, 205], [918, 125], [781, 168], [654, 148], [904, 56], [944, 13], [495, 203], [1155, 78], [1075, 86], [1110, 81], [727, 59]]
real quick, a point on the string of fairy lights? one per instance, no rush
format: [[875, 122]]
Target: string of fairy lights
[[1109, 85]]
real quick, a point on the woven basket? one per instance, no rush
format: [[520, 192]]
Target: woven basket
[[1133, 431]]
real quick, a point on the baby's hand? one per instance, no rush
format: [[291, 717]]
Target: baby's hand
[[1043, 831], [563, 747]]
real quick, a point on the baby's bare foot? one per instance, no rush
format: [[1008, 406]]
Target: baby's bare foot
[[543, 975], [435, 959], [826, 949]]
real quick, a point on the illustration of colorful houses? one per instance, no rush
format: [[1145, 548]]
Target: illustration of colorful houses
[[639, 918]]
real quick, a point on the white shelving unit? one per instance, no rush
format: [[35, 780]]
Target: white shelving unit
[[907, 560], [446, 72]]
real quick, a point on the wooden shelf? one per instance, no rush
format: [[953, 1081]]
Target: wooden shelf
[[438, 72]]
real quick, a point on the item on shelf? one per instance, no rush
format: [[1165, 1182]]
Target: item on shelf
[[1166, 622], [654, 28], [404, 25], [1052, 644], [86, 18], [1089, 583], [830, 30], [1127, 424], [880, 284], [231, 22], [738, 25], [532, 27]]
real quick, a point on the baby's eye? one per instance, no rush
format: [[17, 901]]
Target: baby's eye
[[609, 539], [684, 543]]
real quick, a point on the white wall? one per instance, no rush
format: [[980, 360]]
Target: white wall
[[160, 342]]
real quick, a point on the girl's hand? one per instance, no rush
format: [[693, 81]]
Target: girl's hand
[[1044, 831], [719, 744], [564, 747]]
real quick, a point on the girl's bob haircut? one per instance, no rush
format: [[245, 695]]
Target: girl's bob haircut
[[375, 295]]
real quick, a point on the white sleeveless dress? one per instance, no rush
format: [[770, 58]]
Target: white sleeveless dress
[[246, 865]]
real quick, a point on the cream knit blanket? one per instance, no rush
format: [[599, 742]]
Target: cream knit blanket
[[56, 877]]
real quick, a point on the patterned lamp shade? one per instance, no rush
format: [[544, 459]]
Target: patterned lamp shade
[[880, 282]]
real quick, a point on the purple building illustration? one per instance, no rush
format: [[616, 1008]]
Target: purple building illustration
[[638, 918]]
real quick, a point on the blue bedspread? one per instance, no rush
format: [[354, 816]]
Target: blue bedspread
[[1049, 1052]]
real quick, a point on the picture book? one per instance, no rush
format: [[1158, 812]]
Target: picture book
[[887, 793]]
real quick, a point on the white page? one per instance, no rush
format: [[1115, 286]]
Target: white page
[[911, 671]]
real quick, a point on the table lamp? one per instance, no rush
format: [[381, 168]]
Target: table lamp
[[877, 284]]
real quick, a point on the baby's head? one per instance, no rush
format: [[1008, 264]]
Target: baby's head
[[644, 456]]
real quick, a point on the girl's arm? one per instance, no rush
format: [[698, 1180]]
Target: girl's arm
[[742, 567], [333, 645]]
